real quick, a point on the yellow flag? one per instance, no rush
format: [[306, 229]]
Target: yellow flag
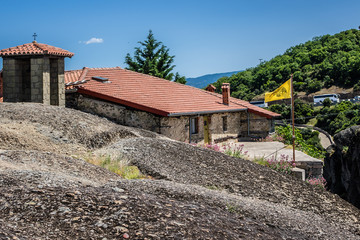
[[281, 93]]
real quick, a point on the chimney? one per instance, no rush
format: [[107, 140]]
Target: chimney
[[210, 88], [226, 93]]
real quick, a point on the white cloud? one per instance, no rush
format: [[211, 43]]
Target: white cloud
[[94, 40]]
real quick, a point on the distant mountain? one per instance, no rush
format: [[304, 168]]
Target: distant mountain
[[203, 81]]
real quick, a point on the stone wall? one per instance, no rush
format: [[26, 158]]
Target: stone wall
[[259, 126], [177, 128], [13, 85], [114, 112], [34, 79], [237, 126], [40, 80], [57, 82]]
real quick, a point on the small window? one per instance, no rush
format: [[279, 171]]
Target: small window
[[194, 125], [225, 126]]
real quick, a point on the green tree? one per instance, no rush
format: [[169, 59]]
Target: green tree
[[327, 102], [180, 79], [153, 58]]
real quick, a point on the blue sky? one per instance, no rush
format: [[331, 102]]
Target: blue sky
[[205, 36]]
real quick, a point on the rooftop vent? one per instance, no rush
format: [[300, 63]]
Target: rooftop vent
[[101, 79]]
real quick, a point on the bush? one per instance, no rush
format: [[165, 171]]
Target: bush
[[319, 182], [283, 165], [301, 144], [327, 102]]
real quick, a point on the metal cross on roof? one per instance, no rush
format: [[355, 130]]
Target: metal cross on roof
[[35, 35]]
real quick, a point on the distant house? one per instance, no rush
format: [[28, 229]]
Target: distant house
[[34, 72], [175, 110]]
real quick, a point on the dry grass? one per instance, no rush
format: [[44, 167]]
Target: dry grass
[[115, 164]]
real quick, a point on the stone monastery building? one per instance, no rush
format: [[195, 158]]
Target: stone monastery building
[[34, 72]]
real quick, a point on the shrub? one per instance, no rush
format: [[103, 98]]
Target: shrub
[[306, 146], [319, 182], [234, 150], [283, 165]]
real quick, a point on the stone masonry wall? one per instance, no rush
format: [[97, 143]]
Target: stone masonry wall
[[234, 125], [25, 79], [12, 85], [61, 81], [176, 128], [259, 126], [114, 112], [40, 80], [57, 82]]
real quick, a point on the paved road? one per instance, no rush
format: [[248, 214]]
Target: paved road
[[267, 149], [324, 140]]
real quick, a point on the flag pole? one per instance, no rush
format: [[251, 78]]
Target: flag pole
[[293, 116]]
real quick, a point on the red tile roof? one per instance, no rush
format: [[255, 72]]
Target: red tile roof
[[154, 95], [35, 48]]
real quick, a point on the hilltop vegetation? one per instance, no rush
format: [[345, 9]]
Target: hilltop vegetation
[[321, 63]]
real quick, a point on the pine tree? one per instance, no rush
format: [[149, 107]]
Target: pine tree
[[153, 58], [180, 79]]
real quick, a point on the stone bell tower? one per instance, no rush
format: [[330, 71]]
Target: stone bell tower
[[34, 72]]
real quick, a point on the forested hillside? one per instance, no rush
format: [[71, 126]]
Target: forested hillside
[[323, 62]]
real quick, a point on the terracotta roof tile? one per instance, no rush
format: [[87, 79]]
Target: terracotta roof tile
[[35, 48], [154, 94]]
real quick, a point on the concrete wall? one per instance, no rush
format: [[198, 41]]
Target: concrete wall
[[173, 127]]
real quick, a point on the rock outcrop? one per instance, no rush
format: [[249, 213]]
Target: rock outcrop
[[47, 191], [342, 165]]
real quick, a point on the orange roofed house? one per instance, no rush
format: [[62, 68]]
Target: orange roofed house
[[177, 111]]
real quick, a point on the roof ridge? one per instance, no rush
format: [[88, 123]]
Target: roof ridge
[[83, 74], [37, 45], [105, 68]]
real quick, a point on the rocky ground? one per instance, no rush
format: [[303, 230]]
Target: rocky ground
[[48, 193]]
